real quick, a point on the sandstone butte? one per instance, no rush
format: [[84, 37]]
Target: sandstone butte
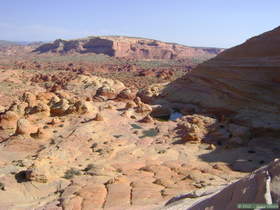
[[126, 47]]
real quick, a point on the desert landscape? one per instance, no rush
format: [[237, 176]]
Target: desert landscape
[[120, 122]]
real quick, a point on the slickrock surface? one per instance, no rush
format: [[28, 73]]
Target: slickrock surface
[[84, 142], [240, 88], [241, 83], [260, 187]]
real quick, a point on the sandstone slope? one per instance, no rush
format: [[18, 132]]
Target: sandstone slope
[[260, 187], [76, 141], [241, 83]]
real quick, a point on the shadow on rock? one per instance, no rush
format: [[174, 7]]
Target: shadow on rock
[[256, 153], [21, 177]]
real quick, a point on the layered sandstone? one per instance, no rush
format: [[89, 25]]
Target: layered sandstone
[[128, 47], [260, 187], [242, 82]]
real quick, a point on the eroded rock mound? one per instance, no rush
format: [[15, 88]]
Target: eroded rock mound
[[24, 127], [79, 100], [196, 127], [95, 87]]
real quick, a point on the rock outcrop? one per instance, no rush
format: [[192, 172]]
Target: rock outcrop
[[41, 105], [24, 127], [242, 82], [260, 187], [195, 128]]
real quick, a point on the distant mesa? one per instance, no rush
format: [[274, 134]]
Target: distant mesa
[[95, 45], [126, 47]]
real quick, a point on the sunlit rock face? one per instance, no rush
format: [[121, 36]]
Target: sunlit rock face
[[242, 81], [260, 187]]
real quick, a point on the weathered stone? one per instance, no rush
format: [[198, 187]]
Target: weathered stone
[[2, 109], [98, 117], [83, 107], [60, 108], [106, 92], [196, 127], [147, 119], [24, 127], [130, 104], [126, 94], [29, 98], [9, 119]]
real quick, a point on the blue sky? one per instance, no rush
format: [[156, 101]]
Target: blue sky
[[214, 23]]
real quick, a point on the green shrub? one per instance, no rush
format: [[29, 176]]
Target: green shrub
[[69, 174], [89, 167]]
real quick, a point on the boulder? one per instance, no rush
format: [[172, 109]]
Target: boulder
[[9, 119], [41, 108], [106, 92], [149, 94], [24, 127], [159, 111], [142, 107], [59, 108], [98, 117], [195, 128], [83, 107], [130, 104], [19, 107], [29, 98], [147, 119], [126, 94]]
